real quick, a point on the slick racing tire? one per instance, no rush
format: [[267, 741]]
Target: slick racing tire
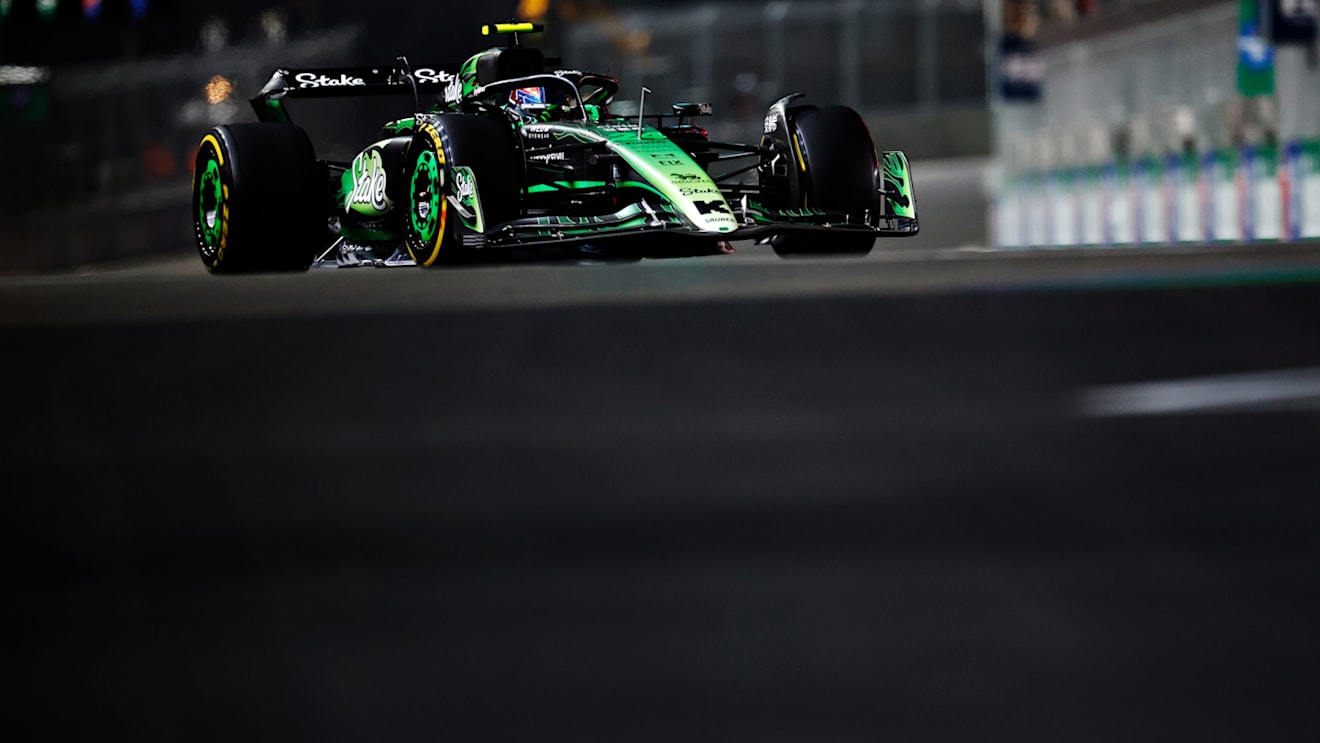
[[837, 166], [258, 199], [458, 159]]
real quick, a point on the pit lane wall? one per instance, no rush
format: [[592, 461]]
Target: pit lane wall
[[1231, 195], [1141, 138]]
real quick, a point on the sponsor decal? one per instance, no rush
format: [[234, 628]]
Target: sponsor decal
[[313, 80], [713, 207], [369, 192], [535, 133], [465, 186], [428, 75], [465, 198], [771, 123], [716, 213], [453, 86], [549, 156], [687, 178], [689, 191]]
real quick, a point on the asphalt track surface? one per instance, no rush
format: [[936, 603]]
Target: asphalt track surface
[[909, 498]]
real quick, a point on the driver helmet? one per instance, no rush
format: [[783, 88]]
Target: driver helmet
[[528, 97], [545, 104]]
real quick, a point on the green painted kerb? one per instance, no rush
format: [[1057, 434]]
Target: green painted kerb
[[210, 204], [426, 189]]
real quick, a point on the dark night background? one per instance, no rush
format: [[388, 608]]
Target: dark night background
[[899, 498], [171, 26]]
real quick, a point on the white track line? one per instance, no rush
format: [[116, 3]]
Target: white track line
[[1283, 389]]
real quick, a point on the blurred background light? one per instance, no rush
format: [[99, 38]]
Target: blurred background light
[[533, 10], [15, 75], [214, 34], [218, 89], [275, 26]]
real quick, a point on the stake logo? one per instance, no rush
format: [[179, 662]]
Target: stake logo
[[312, 80], [369, 193], [464, 187], [453, 86]]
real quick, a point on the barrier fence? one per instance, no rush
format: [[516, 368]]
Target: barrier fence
[[1246, 194]]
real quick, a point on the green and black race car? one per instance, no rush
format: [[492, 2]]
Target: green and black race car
[[522, 158]]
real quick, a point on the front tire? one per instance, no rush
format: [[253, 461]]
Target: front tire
[[256, 199], [837, 169], [483, 151]]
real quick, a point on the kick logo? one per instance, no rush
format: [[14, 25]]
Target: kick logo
[[369, 192]]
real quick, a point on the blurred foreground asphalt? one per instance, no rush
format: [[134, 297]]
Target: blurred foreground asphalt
[[733, 499]]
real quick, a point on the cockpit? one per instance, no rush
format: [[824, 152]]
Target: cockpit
[[515, 79]]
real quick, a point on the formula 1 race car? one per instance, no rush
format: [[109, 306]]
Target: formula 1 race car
[[518, 160]]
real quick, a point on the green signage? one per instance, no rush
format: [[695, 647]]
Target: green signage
[[1255, 68]]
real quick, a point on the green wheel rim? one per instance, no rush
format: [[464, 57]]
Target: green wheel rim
[[426, 188], [210, 204]]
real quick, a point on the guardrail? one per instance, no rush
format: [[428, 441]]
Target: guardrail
[[1232, 195]]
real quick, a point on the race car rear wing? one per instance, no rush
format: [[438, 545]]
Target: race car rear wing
[[350, 82], [347, 82]]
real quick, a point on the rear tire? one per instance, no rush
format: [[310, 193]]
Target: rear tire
[[840, 175], [431, 225], [258, 199]]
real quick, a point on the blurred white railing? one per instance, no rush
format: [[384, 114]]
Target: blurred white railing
[[1140, 138]]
